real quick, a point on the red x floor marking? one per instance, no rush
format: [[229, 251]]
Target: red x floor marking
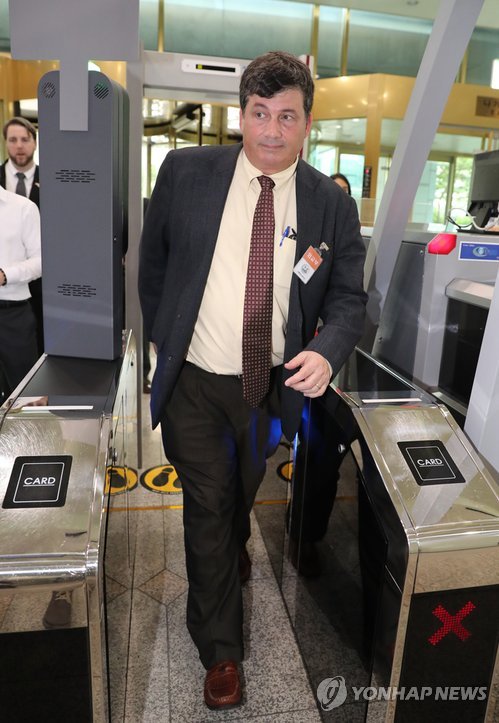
[[451, 623]]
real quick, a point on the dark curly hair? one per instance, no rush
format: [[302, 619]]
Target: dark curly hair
[[272, 72]]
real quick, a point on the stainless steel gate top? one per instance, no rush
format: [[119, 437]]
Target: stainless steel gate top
[[442, 492], [52, 466]]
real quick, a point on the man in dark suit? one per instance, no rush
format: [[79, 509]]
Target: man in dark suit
[[205, 217], [20, 141]]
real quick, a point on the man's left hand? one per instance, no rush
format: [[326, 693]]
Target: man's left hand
[[313, 373]]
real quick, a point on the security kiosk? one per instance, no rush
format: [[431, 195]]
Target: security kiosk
[[434, 316], [484, 194], [66, 430]]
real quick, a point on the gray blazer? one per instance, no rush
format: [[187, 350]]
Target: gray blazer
[[177, 245]]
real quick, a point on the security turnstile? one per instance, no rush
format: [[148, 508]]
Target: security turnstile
[[437, 508], [428, 543], [67, 432]]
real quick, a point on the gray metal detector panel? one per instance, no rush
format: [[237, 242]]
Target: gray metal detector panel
[[82, 203]]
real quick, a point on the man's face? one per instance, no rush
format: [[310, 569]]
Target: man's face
[[274, 130], [20, 146]]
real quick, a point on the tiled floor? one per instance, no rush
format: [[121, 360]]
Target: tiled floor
[[165, 677], [284, 662]]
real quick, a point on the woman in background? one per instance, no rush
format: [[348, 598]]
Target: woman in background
[[343, 182]]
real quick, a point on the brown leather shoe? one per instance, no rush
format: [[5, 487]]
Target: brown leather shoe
[[222, 687], [244, 566]]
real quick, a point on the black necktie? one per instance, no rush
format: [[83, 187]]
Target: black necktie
[[21, 186], [257, 315]]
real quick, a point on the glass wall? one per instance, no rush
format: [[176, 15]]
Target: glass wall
[[337, 145], [154, 150], [461, 186], [351, 165], [148, 23], [482, 50], [323, 157], [378, 42], [4, 26], [329, 42], [170, 124], [329, 134], [229, 28], [431, 196], [386, 44]]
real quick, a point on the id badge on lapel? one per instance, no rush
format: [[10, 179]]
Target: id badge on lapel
[[309, 262]]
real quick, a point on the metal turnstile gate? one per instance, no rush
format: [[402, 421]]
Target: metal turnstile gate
[[413, 612], [66, 562], [436, 505]]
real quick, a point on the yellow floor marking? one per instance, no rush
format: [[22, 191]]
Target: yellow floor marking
[[146, 508]]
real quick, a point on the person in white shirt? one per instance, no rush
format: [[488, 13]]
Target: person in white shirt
[[20, 263], [20, 143]]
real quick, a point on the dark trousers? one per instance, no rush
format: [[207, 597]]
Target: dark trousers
[[146, 358], [322, 447], [218, 445], [35, 288], [18, 348]]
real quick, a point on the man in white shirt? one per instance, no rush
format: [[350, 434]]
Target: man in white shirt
[[20, 142], [20, 263]]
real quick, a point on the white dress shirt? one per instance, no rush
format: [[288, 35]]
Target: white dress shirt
[[11, 179], [20, 248]]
